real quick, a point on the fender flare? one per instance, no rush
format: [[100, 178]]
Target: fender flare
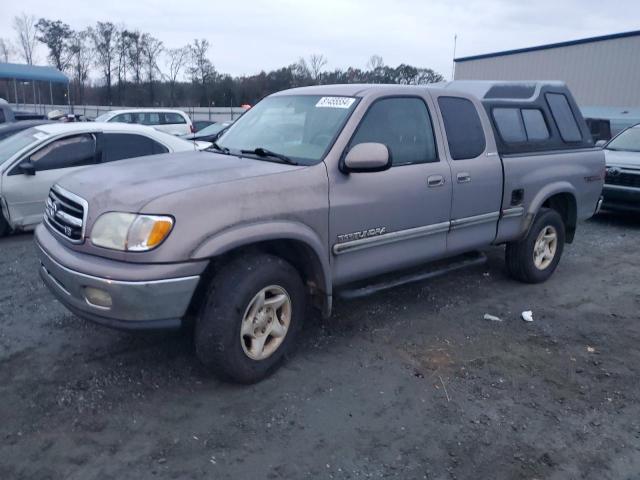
[[247, 234], [542, 196]]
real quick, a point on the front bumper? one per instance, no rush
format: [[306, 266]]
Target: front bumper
[[621, 198], [135, 305]]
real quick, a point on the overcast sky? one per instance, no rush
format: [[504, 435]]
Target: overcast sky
[[252, 35]]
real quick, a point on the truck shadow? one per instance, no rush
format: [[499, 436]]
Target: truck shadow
[[617, 219]]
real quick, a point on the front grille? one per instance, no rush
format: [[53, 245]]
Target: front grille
[[66, 213], [622, 178]]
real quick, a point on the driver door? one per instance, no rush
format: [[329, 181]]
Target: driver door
[[26, 185]]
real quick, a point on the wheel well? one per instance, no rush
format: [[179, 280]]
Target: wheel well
[[302, 257], [565, 205]]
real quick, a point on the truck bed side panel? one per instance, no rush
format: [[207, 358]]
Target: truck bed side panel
[[542, 175]]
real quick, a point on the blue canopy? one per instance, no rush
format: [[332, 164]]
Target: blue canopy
[[31, 73]]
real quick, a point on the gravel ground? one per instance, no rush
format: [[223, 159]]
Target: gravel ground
[[411, 383]]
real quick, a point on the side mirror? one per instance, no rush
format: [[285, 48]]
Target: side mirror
[[368, 157], [601, 143], [27, 167]]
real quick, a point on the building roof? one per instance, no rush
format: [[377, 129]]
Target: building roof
[[31, 72], [550, 46]]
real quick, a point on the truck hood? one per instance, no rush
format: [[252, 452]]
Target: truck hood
[[128, 185], [618, 158]]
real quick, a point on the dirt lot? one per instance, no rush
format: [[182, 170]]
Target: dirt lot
[[412, 383]]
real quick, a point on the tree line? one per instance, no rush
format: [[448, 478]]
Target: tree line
[[136, 68]]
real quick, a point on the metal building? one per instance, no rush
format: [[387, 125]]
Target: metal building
[[600, 71]]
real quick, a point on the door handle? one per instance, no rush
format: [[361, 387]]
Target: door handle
[[435, 181], [463, 177]]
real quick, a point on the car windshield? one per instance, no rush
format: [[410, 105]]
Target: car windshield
[[13, 144], [629, 141], [211, 129], [102, 118], [301, 127]]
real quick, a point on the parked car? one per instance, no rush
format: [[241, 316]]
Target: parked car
[[174, 122], [210, 133], [200, 124], [34, 159], [8, 115], [314, 192], [622, 182], [8, 129]]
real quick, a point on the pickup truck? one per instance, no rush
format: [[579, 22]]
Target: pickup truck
[[317, 191]]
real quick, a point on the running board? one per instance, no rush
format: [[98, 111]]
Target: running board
[[369, 287]]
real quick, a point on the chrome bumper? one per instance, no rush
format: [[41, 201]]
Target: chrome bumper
[[134, 305], [599, 205]]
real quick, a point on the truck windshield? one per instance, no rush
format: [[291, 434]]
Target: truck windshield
[[301, 127], [13, 144], [629, 141]]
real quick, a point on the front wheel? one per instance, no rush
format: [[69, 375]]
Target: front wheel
[[534, 258], [251, 318]]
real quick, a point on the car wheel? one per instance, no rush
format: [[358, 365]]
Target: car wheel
[[534, 258], [4, 226], [250, 318]]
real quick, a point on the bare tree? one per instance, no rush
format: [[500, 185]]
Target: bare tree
[[135, 54], [201, 69], [316, 63], [81, 56], [135, 60], [122, 60], [151, 50], [375, 62], [178, 58], [6, 50], [25, 27], [104, 37], [55, 35]]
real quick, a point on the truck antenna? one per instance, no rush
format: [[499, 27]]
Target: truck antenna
[[453, 66]]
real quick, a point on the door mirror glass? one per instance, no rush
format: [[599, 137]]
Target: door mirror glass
[[368, 157], [27, 167]]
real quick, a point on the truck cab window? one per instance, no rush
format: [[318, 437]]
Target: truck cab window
[[462, 124], [403, 125]]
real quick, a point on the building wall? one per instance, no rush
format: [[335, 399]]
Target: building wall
[[604, 73]]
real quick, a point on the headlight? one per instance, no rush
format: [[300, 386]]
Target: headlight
[[130, 232]]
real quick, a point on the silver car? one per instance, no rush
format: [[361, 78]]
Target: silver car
[[33, 160], [622, 183]]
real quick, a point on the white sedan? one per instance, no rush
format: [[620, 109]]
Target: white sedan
[[33, 160]]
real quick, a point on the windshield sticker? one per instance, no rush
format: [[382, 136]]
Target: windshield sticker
[[335, 102]]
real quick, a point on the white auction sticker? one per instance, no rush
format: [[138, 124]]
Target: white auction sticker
[[335, 102]]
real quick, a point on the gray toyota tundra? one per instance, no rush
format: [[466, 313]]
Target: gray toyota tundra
[[315, 192]]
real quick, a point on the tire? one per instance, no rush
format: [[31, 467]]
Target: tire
[[4, 226], [219, 343], [524, 262]]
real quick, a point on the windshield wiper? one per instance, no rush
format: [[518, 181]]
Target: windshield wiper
[[263, 152], [218, 148]]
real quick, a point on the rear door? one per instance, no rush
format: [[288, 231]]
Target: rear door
[[383, 221], [119, 146], [26, 194], [476, 173]]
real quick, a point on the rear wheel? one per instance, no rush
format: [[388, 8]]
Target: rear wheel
[[250, 318], [534, 258], [4, 226]]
